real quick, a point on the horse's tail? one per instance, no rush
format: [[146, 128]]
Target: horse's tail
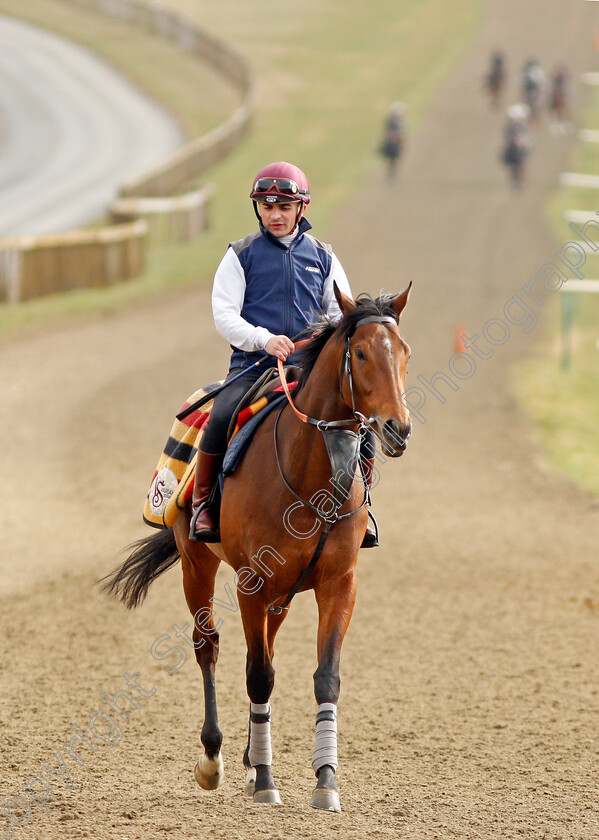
[[150, 557]]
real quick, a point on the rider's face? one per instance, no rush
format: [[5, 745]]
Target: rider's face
[[279, 219]]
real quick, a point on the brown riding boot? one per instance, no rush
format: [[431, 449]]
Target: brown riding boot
[[371, 537], [203, 526]]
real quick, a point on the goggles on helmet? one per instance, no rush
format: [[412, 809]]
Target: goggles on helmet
[[270, 188]]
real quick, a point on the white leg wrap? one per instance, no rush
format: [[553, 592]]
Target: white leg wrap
[[325, 748], [260, 748]]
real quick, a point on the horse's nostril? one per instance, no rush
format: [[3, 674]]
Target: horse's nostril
[[398, 432]]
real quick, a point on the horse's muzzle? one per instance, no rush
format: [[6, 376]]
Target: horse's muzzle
[[394, 437]]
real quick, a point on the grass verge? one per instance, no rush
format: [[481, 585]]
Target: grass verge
[[564, 403]]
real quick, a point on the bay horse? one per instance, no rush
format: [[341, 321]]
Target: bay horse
[[299, 477]]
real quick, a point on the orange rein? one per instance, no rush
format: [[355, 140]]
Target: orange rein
[[303, 417]]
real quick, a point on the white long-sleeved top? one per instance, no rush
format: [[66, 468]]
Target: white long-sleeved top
[[228, 294]]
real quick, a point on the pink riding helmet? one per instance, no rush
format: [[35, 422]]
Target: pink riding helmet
[[280, 182]]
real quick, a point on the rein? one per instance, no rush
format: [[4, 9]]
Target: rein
[[325, 426], [215, 391]]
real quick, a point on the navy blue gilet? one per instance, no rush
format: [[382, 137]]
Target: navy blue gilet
[[284, 285]]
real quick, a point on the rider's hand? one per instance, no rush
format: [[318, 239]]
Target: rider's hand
[[279, 346]]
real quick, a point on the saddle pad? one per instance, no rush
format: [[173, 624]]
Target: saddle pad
[[171, 482], [246, 414], [238, 444]]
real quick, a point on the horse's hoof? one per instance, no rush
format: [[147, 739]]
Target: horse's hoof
[[250, 781], [269, 796], [326, 800], [209, 772]]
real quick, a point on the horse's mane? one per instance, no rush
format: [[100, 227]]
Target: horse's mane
[[323, 329]]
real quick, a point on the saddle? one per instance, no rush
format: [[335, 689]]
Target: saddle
[[172, 483], [257, 397]]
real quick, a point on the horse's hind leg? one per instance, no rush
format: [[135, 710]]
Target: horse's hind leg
[[335, 605], [199, 571]]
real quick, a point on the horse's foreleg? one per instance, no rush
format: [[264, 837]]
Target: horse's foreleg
[[260, 629], [335, 601], [273, 623], [199, 571]]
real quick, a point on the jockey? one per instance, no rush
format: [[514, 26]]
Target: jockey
[[269, 286], [516, 132], [517, 141]]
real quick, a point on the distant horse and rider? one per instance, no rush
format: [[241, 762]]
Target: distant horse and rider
[[537, 94], [533, 87], [394, 134], [517, 143], [495, 79], [560, 98]]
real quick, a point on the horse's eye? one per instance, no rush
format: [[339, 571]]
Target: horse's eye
[[360, 355]]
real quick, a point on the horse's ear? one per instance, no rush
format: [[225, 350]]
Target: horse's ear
[[400, 301], [346, 304]]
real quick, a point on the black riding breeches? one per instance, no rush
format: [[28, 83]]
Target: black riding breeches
[[214, 439]]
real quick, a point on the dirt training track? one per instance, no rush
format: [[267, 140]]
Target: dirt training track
[[469, 698]]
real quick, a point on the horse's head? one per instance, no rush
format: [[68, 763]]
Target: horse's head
[[375, 365]]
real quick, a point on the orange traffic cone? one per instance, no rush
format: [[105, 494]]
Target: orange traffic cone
[[459, 345]]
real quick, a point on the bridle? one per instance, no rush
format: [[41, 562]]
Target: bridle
[[332, 427], [345, 370]]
